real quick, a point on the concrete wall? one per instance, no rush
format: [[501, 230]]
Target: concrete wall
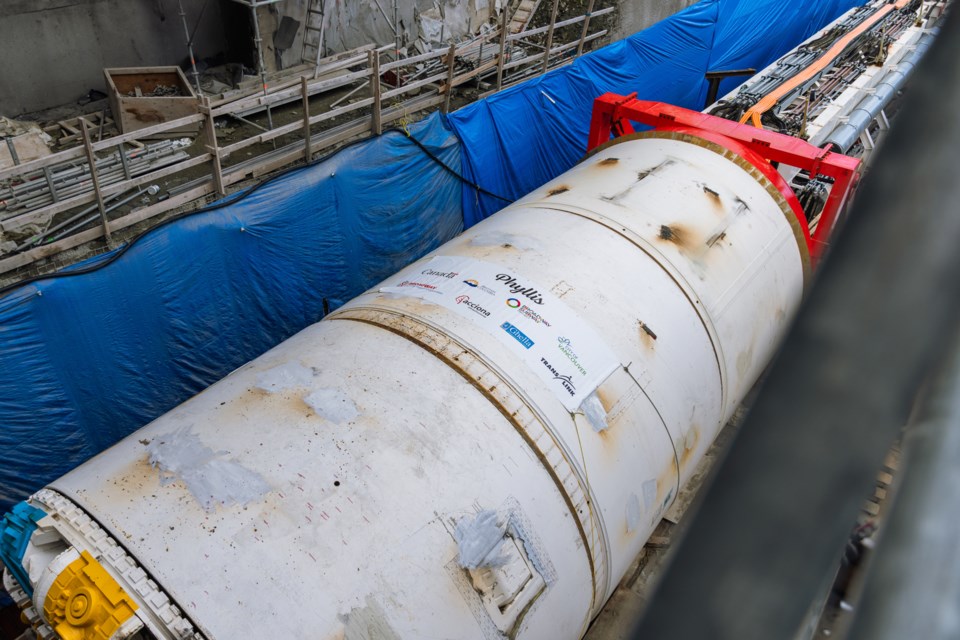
[[352, 24], [636, 15], [53, 51], [348, 25]]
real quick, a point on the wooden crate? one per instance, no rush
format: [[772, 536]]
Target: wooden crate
[[145, 110]]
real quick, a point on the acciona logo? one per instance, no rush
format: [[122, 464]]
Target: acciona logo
[[476, 308], [517, 289]]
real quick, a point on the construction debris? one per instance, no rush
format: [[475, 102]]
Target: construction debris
[[159, 91], [22, 201], [21, 142]]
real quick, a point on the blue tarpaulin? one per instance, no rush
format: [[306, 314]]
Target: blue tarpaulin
[[520, 138], [90, 358], [87, 359]]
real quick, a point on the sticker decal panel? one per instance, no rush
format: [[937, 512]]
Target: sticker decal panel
[[551, 339]]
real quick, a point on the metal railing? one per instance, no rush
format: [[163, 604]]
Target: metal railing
[[430, 86]]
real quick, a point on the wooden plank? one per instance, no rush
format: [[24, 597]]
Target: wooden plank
[[108, 190], [47, 250], [457, 81], [147, 131], [160, 207], [211, 132], [414, 85], [586, 27], [343, 133], [293, 126], [553, 52], [563, 23], [308, 151], [92, 164], [503, 45], [376, 125], [339, 111], [135, 70], [52, 249], [291, 93], [464, 49], [259, 139], [321, 141], [451, 64], [423, 57], [356, 58], [40, 163], [553, 24]]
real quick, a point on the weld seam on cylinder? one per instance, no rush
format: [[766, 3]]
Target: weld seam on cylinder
[[673, 444], [668, 268], [743, 164], [426, 337]]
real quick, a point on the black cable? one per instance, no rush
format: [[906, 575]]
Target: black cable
[[433, 157], [219, 205]]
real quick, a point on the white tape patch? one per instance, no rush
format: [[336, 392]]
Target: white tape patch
[[212, 479]]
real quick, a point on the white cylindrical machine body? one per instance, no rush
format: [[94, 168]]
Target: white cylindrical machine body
[[564, 364]]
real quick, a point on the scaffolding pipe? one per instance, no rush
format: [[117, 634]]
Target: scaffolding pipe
[[263, 70], [847, 133], [151, 190], [82, 183], [396, 29], [71, 168], [553, 22], [80, 173], [26, 206], [193, 60], [74, 174]]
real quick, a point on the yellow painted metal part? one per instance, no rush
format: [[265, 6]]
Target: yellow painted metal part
[[86, 603]]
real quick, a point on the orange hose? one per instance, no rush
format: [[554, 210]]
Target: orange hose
[[771, 99]]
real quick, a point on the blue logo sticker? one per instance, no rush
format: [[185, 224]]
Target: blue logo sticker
[[518, 335]]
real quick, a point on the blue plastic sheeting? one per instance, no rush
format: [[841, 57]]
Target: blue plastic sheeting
[[86, 360], [516, 140]]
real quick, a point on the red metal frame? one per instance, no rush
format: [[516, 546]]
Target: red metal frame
[[613, 114]]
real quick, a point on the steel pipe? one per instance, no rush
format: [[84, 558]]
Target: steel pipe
[[845, 135]]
